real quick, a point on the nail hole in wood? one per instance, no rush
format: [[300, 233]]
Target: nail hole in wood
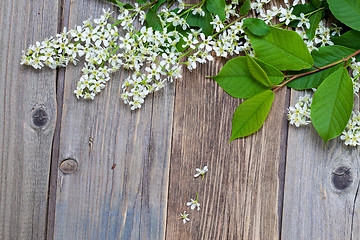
[[68, 166], [342, 177], [40, 117]]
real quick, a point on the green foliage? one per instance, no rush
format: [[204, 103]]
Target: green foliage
[[316, 3], [314, 22], [349, 39], [251, 114], [141, 1], [282, 49], [275, 75], [325, 56], [346, 11], [120, 4], [244, 9], [236, 79], [257, 72], [216, 7], [332, 105], [201, 22], [153, 20], [158, 4], [256, 26], [303, 8]]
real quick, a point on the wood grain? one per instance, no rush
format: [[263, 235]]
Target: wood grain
[[25, 148], [240, 194], [321, 186], [128, 201]]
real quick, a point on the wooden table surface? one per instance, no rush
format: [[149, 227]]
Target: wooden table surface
[[280, 183]]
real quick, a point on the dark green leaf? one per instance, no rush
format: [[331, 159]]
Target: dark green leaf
[[251, 114], [236, 79], [349, 39], [141, 1], [158, 4], [257, 72], [120, 4], [346, 11], [275, 75], [314, 22], [244, 9], [332, 105], [256, 26], [201, 22], [217, 7], [180, 46], [303, 8], [153, 20], [324, 56], [316, 3], [282, 49]]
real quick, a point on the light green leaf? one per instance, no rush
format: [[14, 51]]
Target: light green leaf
[[349, 39], [314, 22], [256, 26], [251, 114], [275, 75], [346, 11], [202, 22], [282, 49], [332, 105], [153, 20], [257, 72], [244, 9], [236, 79], [217, 7], [324, 56]]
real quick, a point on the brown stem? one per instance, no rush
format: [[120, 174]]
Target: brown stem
[[317, 70]]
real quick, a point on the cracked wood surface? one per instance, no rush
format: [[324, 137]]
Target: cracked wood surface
[[135, 169], [321, 186], [27, 117]]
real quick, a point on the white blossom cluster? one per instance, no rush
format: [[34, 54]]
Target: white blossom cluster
[[299, 115], [152, 56], [351, 135]]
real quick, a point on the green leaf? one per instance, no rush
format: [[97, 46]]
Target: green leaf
[[141, 1], [282, 49], [153, 20], [158, 4], [181, 43], [275, 75], [314, 22], [256, 26], [244, 9], [251, 114], [346, 11], [236, 79], [217, 7], [257, 72], [303, 8], [316, 3], [332, 105], [324, 56], [120, 4], [201, 22], [349, 39]]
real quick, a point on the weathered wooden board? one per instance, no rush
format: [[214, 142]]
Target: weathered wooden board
[[27, 116], [241, 194], [129, 201], [321, 186]]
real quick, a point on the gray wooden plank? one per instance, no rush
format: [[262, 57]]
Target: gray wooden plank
[[241, 194], [129, 201], [25, 149], [321, 186]]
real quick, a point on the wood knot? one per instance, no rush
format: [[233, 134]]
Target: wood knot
[[40, 117], [68, 166], [342, 177]]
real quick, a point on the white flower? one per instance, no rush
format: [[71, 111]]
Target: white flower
[[201, 171], [303, 20], [194, 203], [184, 217], [286, 15]]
